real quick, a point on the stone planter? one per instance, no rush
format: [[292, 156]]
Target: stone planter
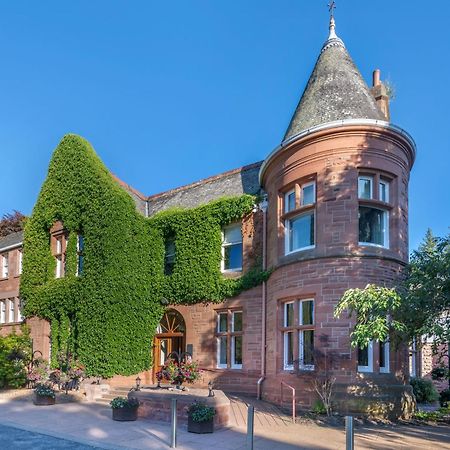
[[125, 414], [43, 400], [200, 427]]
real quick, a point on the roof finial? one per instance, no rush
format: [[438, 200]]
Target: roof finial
[[331, 8], [333, 39]]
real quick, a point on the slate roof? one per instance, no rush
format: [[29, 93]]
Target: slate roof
[[11, 239], [234, 182], [335, 91]]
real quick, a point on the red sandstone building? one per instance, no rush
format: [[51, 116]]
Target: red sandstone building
[[335, 216]]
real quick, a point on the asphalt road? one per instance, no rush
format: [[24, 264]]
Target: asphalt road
[[14, 438]]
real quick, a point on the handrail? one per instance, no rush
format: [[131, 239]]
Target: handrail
[[293, 398]]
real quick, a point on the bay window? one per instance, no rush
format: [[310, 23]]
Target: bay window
[[373, 192], [299, 217]]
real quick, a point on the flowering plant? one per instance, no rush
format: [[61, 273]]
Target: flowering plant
[[38, 371], [178, 373], [123, 402], [44, 390]]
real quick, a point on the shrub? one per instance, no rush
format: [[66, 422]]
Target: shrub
[[438, 373], [123, 402], [319, 407], [15, 351], [424, 390], [444, 397], [200, 412]]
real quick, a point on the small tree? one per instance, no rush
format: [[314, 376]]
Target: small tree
[[11, 223]]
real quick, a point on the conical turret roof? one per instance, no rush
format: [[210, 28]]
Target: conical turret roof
[[335, 91]]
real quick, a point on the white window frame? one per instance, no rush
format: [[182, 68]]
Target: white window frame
[[19, 262], [386, 368], [285, 318], [5, 265], [59, 266], [11, 311], [366, 178], [302, 187], [228, 244], [413, 367], [301, 312], [369, 368], [287, 224], [286, 201], [386, 233], [2, 311], [19, 313], [233, 337], [80, 254], [303, 366], [219, 365], [287, 366], [386, 185]]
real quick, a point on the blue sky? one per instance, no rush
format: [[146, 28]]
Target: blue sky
[[172, 92]]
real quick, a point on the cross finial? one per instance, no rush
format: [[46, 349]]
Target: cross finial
[[332, 7]]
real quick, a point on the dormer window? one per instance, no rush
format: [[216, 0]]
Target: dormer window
[[80, 254], [169, 257], [232, 248]]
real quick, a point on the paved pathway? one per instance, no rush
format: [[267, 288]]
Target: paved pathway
[[15, 438], [91, 425]]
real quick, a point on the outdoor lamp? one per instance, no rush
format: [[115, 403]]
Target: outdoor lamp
[[138, 384]]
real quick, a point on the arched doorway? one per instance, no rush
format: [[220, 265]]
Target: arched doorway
[[170, 337]]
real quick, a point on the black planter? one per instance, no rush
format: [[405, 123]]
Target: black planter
[[43, 400], [125, 414], [200, 427]]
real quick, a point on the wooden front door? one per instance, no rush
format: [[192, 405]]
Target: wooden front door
[[170, 337]]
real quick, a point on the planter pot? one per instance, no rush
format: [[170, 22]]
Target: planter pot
[[125, 414], [43, 400], [200, 427]]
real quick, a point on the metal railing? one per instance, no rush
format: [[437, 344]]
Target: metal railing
[[293, 398]]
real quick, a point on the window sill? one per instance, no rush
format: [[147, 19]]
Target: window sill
[[363, 369], [310, 247], [370, 244], [371, 203]]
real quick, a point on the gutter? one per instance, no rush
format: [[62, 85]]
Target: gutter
[[335, 124], [263, 206], [10, 247]]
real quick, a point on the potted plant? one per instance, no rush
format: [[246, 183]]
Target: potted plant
[[124, 409], [178, 373], [201, 418], [44, 395]]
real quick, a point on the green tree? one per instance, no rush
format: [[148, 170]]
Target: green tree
[[418, 306]]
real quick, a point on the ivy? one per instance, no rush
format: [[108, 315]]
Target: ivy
[[108, 316]]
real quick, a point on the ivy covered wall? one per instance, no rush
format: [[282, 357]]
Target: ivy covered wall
[[109, 314]]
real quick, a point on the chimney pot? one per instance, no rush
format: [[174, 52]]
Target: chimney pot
[[376, 77]]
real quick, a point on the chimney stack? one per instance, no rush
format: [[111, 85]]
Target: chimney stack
[[379, 92]]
